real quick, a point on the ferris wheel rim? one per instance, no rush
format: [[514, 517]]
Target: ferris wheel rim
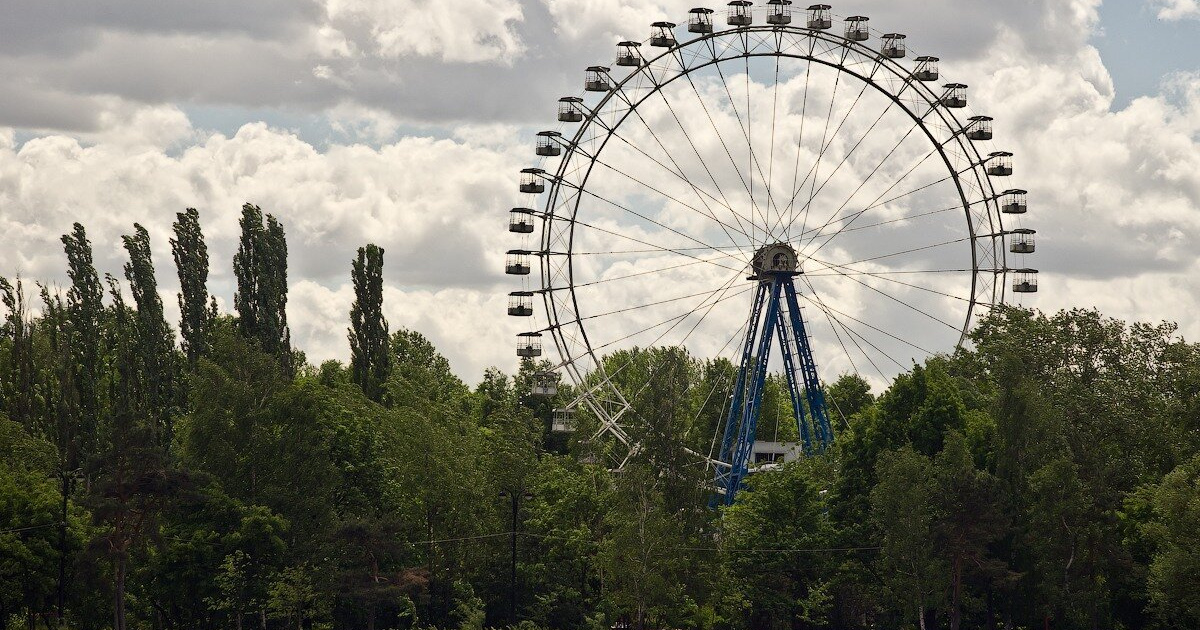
[[930, 99]]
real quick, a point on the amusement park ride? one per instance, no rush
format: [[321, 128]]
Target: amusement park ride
[[775, 162]]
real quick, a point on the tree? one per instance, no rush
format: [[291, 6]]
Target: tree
[[85, 311], [191, 261], [260, 265], [132, 482], [154, 345], [1175, 569], [902, 507], [370, 357], [768, 537], [969, 518], [17, 387]]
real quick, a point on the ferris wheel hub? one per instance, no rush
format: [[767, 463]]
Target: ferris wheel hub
[[774, 260]]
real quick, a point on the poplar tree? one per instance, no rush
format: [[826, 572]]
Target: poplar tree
[[85, 310], [260, 266], [154, 347], [370, 357], [18, 383], [195, 308]]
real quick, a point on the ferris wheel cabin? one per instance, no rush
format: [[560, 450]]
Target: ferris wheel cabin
[[520, 303], [700, 20], [628, 55], [1025, 281], [779, 12], [569, 109], [980, 128], [1014, 201], [544, 384], [531, 181], [529, 345], [563, 421], [517, 262], [739, 13], [662, 34], [893, 46], [927, 69], [999, 164], [548, 143], [1022, 241], [856, 28], [955, 96], [819, 18], [520, 221], [596, 80]]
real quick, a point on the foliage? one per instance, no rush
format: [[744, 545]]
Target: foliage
[[370, 360], [1047, 474]]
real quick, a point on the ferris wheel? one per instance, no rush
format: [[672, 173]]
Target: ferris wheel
[[776, 186]]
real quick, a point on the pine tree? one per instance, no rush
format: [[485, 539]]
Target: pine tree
[[370, 357], [154, 346], [191, 261], [261, 299]]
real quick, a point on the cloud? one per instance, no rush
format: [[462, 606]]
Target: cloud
[[468, 31], [436, 206], [432, 106], [1173, 10]]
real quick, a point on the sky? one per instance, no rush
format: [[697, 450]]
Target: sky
[[405, 123]]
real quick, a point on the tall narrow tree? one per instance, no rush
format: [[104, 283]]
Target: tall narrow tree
[[17, 380], [85, 310], [191, 261], [154, 346], [261, 269], [370, 357]]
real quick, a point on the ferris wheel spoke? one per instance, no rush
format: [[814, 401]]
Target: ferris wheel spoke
[[860, 186], [880, 331], [678, 169], [835, 269], [876, 203], [748, 180], [639, 307], [717, 132], [901, 302], [822, 147], [679, 251], [672, 320], [908, 217], [816, 165], [646, 218], [728, 285], [833, 313], [835, 323], [700, 192], [911, 250], [639, 274], [885, 276], [800, 142]]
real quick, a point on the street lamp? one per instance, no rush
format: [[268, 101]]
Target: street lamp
[[512, 577]]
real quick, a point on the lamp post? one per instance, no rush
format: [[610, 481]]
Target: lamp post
[[516, 497]]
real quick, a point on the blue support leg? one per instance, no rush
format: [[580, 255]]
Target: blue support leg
[[808, 368]]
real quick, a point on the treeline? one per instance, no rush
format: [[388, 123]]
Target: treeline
[[1047, 477]]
